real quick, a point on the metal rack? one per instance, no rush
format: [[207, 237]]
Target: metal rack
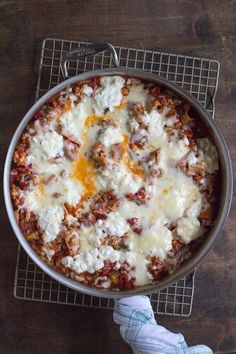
[[196, 75], [31, 283]]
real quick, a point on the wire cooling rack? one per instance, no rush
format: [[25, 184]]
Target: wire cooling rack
[[31, 283], [199, 77]]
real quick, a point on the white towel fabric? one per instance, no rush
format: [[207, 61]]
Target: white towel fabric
[[140, 330]]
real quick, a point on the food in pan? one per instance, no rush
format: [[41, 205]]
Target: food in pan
[[114, 182]]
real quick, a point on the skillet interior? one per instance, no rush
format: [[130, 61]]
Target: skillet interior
[[224, 200]]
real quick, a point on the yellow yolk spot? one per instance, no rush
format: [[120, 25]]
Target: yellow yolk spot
[[125, 142], [41, 187], [91, 120], [85, 172], [132, 166], [121, 105], [67, 106], [166, 190]]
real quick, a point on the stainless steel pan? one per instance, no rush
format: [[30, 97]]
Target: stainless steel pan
[[211, 128]]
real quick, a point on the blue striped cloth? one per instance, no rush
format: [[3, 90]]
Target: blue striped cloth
[[140, 330]]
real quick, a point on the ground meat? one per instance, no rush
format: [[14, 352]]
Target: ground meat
[[117, 151], [125, 91], [27, 222], [71, 149], [156, 268], [94, 83], [48, 112], [135, 154], [125, 281], [23, 177], [177, 246], [104, 204], [140, 197], [137, 125], [206, 217], [99, 154], [152, 161], [135, 225], [196, 169], [101, 205], [139, 138], [120, 279], [20, 155], [78, 90], [88, 219], [73, 210], [160, 98], [68, 137], [51, 179], [72, 242], [118, 243], [17, 198], [154, 91], [60, 248], [136, 110]]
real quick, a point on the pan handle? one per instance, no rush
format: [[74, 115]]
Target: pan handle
[[82, 52]]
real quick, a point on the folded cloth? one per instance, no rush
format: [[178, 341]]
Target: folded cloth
[[140, 330]]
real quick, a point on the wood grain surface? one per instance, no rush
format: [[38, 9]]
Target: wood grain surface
[[201, 28]]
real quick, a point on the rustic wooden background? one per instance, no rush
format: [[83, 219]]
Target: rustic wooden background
[[201, 28]]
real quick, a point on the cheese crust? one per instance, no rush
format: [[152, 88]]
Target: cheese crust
[[114, 183]]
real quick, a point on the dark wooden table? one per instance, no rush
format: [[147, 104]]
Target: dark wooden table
[[201, 28]]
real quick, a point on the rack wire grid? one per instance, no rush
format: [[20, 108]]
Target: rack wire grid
[[199, 77]]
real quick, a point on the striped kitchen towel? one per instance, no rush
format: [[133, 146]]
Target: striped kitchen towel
[[140, 330]]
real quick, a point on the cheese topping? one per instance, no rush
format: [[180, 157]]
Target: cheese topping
[[117, 171], [93, 260], [114, 225], [189, 229], [49, 221], [119, 179], [109, 94], [44, 146], [111, 136], [209, 154], [73, 121], [155, 241], [87, 90]]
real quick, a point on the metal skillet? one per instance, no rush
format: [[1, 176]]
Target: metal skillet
[[211, 129]]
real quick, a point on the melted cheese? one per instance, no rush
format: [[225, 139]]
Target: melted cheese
[[111, 136], [118, 178], [72, 122], [32, 200], [137, 94], [109, 94], [189, 229], [92, 120], [210, 155], [156, 241], [87, 90], [65, 189], [131, 165], [158, 138], [91, 260], [174, 198], [171, 196], [44, 146], [114, 225], [49, 219]]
